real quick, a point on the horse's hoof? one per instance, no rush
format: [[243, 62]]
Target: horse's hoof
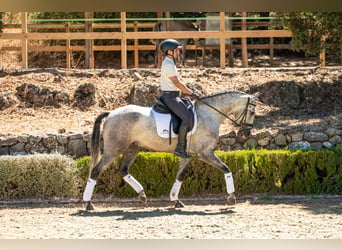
[[142, 197], [89, 206], [231, 199], [179, 204]]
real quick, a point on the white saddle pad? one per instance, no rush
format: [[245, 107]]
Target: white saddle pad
[[163, 124]]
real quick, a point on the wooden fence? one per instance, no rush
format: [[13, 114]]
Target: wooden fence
[[132, 30]]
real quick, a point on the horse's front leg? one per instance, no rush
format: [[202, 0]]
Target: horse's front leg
[[214, 161], [127, 160], [184, 162]]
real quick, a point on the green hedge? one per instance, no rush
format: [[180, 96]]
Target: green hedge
[[255, 171], [38, 176]]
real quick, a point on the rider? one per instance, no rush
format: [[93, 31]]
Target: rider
[[171, 90]]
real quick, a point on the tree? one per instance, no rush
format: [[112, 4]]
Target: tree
[[313, 31]]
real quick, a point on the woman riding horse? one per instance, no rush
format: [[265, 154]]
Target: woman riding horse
[[171, 90]]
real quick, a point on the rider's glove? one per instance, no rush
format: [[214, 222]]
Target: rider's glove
[[196, 95]]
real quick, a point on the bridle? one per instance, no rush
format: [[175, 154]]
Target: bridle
[[242, 117]]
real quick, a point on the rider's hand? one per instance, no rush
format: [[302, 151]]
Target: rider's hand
[[196, 95]]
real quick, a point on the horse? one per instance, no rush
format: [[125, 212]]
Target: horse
[[129, 128], [177, 25]]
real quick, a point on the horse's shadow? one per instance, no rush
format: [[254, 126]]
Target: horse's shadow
[[134, 215]]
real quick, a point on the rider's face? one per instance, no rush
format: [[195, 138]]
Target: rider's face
[[176, 52]]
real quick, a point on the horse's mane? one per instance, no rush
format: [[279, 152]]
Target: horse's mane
[[223, 93]]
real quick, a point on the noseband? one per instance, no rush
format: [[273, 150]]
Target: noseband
[[242, 116]]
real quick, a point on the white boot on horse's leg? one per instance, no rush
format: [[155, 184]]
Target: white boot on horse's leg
[[88, 192], [89, 189], [231, 199], [174, 194], [136, 186]]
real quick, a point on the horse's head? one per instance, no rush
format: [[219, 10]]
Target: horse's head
[[245, 114]]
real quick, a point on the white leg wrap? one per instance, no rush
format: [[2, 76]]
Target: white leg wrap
[[88, 192], [229, 183], [175, 190], [133, 183]]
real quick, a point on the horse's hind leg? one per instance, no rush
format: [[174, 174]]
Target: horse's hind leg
[[105, 161], [128, 158]]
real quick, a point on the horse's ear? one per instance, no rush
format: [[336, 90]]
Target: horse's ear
[[255, 95]]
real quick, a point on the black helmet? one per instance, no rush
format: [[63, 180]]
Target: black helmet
[[169, 44]]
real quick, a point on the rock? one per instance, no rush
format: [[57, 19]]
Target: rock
[[62, 139], [327, 145], [143, 93], [77, 148], [298, 136], [19, 147], [335, 140], [281, 94], [316, 145], [4, 151], [315, 136], [6, 101], [31, 93], [280, 140], [84, 96], [263, 138], [50, 142], [333, 131], [8, 142], [303, 145], [251, 143]]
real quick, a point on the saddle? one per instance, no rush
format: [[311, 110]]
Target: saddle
[[161, 110]]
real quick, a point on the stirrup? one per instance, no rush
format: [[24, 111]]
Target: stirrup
[[182, 154]]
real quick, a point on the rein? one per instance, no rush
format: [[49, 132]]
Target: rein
[[242, 116]]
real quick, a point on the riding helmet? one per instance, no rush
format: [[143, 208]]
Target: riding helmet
[[169, 44]]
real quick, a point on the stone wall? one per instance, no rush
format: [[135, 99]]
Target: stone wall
[[73, 144], [78, 144], [315, 137]]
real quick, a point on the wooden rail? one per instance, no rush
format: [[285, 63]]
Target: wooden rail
[[123, 35]]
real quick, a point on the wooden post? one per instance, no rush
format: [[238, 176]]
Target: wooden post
[[222, 42], [159, 54], [68, 51], [341, 53], [244, 41], [322, 54], [230, 45], [271, 49], [123, 41], [136, 44], [89, 43], [168, 16], [24, 42]]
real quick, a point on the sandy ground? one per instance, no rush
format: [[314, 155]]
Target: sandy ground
[[257, 217]]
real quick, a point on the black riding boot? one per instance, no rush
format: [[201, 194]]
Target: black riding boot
[[181, 145]]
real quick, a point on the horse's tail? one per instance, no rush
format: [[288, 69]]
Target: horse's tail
[[95, 140]]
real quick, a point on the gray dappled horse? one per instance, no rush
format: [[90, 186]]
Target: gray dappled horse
[[129, 128], [176, 25]]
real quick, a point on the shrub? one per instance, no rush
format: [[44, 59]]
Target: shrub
[[38, 176], [254, 171]]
